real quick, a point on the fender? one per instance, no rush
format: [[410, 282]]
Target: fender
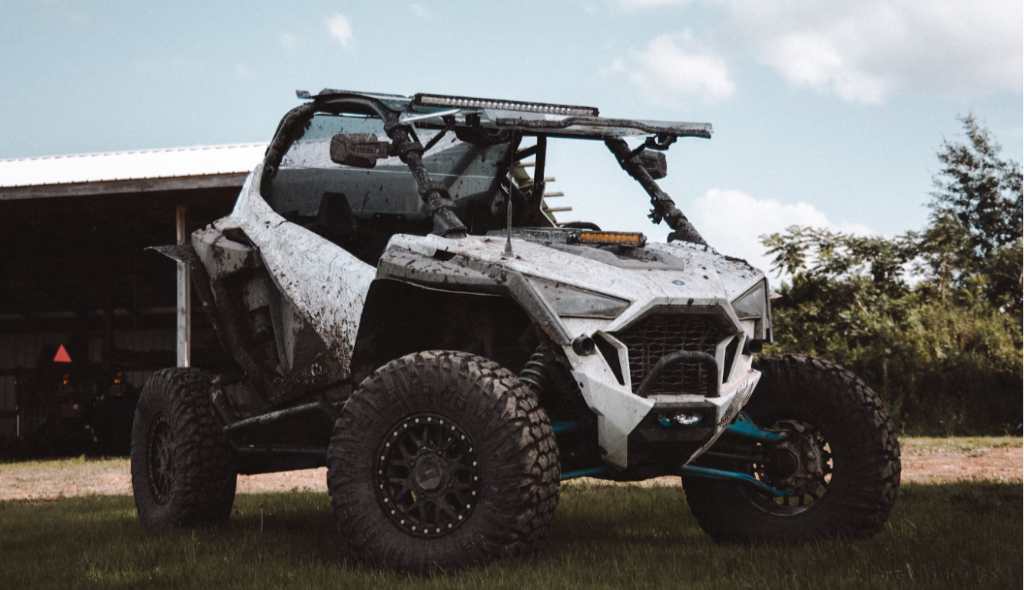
[[448, 271]]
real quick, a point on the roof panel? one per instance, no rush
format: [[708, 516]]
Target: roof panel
[[179, 162]]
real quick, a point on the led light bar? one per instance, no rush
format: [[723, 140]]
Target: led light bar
[[467, 102], [610, 238]]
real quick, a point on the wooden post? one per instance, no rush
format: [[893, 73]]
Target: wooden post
[[183, 340]]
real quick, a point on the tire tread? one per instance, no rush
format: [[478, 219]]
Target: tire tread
[[522, 437]]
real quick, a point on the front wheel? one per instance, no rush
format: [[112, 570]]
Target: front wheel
[[839, 465], [442, 460]]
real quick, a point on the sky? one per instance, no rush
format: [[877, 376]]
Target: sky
[[825, 113]]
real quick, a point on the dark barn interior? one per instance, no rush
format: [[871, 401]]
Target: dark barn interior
[[76, 274]]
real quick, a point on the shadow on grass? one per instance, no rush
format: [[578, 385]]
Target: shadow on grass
[[604, 537]]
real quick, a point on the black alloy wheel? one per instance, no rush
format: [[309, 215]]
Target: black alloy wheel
[[801, 465], [160, 451], [428, 477]]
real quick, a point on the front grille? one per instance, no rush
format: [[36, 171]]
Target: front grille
[[658, 334]]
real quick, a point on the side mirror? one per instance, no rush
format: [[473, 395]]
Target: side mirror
[[654, 163], [358, 149]]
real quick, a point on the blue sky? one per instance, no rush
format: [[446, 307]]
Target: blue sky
[[825, 113]]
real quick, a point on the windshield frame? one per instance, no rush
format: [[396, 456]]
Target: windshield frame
[[401, 115]]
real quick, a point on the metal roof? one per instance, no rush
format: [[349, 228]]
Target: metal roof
[[129, 171]]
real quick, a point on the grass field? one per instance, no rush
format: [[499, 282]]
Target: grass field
[[924, 445], [941, 536]]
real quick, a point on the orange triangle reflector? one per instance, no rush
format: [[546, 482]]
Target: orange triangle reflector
[[62, 355]]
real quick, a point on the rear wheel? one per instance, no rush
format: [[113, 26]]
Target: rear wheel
[[442, 460], [839, 463], [181, 463]]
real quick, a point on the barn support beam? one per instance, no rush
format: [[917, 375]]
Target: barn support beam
[[183, 341]]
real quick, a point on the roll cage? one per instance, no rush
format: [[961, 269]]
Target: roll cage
[[486, 122]]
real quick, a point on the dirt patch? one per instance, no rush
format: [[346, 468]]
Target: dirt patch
[[999, 464], [924, 461], [39, 480]]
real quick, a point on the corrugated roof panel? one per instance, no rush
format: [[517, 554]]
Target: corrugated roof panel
[[131, 165]]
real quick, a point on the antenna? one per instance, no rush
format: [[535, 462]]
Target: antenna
[[508, 199], [508, 224]]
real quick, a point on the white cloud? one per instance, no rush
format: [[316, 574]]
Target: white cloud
[[811, 59], [867, 50], [420, 11], [732, 221], [340, 28], [673, 67]]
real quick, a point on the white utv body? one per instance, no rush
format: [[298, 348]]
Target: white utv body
[[412, 315]]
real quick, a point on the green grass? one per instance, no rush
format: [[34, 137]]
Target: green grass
[[923, 445], [956, 535], [59, 463]]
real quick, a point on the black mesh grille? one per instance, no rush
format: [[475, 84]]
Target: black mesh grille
[[658, 334]]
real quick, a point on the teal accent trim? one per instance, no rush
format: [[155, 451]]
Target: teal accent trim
[[587, 472], [746, 478], [564, 426], [747, 429], [664, 422]]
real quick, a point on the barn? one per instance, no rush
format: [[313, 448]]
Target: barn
[[86, 312]]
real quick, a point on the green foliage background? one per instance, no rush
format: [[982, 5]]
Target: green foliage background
[[931, 319]]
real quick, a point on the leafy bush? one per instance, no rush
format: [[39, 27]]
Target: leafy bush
[[942, 368], [933, 319]]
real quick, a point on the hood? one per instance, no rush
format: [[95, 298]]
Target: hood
[[679, 273]]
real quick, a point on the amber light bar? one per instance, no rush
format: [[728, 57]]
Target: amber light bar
[[468, 102], [610, 238]]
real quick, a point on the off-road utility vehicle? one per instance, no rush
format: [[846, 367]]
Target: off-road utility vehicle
[[402, 306]]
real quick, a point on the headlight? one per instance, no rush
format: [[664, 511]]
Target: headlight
[[753, 305], [573, 302]]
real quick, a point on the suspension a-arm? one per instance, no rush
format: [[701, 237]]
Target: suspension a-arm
[[663, 207]]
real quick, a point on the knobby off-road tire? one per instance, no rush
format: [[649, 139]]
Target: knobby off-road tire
[[500, 459], [182, 472], [865, 458]]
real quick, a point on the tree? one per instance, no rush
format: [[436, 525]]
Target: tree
[[973, 241], [931, 319]]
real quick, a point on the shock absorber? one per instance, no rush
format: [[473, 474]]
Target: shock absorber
[[547, 374], [534, 372], [571, 421]]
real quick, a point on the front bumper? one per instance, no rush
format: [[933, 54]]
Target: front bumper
[[662, 438], [629, 428]]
